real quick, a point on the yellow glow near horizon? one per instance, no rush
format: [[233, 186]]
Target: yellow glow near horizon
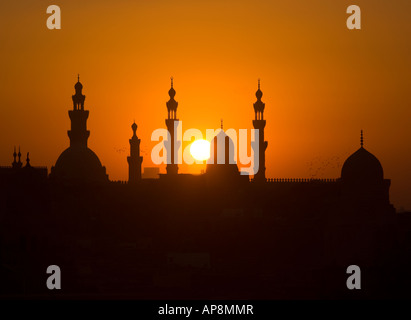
[[200, 150]]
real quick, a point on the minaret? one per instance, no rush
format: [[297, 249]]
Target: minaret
[[19, 163], [259, 123], [362, 140], [134, 160], [171, 121], [28, 160], [78, 134], [78, 163], [14, 164]]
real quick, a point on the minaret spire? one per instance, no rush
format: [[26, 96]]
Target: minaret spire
[[259, 105], [259, 124], [172, 123], [14, 155], [28, 160], [222, 127], [16, 164], [134, 160], [78, 134], [362, 139], [19, 155]]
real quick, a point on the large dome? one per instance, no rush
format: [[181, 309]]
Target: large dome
[[362, 166], [221, 144], [79, 164]]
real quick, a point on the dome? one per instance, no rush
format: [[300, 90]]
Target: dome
[[134, 127], [259, 94], [78, 86], [81, 164], [172, 93], [221, 144], [362, 166]]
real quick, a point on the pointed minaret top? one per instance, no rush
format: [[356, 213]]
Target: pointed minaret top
[[134, 128], [14, 156], [259, 93], [78, 86], [19, 155], [362, 139], [28, 160], [172, 92], [222, 127]]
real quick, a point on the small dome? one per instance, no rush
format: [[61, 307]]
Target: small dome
[[78, 86], [259, 94], [362, 166], [134, 127], [172, 93]]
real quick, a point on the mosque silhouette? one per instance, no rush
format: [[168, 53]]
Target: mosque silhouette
[[259, 238]]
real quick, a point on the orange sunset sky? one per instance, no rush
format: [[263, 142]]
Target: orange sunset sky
[[322, 83]]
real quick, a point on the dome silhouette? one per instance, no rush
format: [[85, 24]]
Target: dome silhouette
[[78, 86], [362, 166], [81, 164], [221, 144]]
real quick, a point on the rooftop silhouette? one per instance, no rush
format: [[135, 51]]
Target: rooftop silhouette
[[218, 234]]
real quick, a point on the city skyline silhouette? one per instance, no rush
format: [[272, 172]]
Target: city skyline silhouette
[[166, 237], [80, 188], [323, 82]]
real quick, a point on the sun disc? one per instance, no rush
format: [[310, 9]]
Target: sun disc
[[200, 150]]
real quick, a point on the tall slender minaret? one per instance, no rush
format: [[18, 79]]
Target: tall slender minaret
[[171, 121], [259, 123], [78, 134], [134, 160]]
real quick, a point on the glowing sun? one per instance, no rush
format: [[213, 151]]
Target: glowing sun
[[200, 150]]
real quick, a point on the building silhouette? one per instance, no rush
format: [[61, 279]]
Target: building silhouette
[[19, 173], [134, 160], [171, 123], [222, 170], [210, 236], [259, 124], [78, 162]]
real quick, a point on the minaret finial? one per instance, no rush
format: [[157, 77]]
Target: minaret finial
[[78, 77], [171, 82], [14, 155], [19, 155], [134, 128], [362, 139], [258, 83], [222, 127]]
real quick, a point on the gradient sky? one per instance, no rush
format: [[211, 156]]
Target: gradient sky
[[322, 83]]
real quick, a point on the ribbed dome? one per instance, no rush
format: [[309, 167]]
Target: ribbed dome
[[77, 163], [362, 166]]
